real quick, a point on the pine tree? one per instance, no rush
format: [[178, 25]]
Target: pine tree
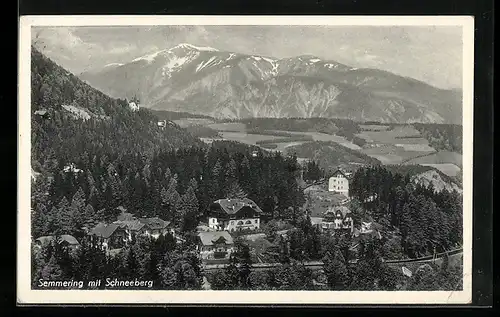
[[172, 199], [78, 209], [188, 210], [52, 270], [336, 271], [234, 191], [64, 219]]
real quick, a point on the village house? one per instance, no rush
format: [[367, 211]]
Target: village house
[[338, 218], [234, 215], [215, 245], [109, 236], [368, 230], [65, 240], [152, 227], [120, 232], [43, 113], [339, 183]]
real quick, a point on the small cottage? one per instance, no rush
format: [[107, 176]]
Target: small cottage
[[338, 218], [217, 245], [109, 236], [64, 240]]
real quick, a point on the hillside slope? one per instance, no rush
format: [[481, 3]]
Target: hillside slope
[[331, 155], [230, 85]]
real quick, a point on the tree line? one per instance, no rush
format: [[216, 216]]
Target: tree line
[[425, 219]]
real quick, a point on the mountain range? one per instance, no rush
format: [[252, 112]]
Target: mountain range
[[221, 84]]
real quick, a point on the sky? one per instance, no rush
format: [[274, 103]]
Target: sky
[[432, 54]]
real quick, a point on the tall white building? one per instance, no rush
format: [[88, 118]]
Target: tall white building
[[339, 183]]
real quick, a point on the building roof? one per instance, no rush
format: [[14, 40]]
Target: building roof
[[232, 206], [105, 231], [154, 223], [339, 172], [64, 238], [209, 238], [41, 112], [121, 208], [342, 209]]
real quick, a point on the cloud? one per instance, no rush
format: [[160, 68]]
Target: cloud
[[432, 54]]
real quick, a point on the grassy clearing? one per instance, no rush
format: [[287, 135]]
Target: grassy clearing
[[392, 154], [373, 127], [229, 126], [398, 135], [290, 139], [246, 138], [188, 122]]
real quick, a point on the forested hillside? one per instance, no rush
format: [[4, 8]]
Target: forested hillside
[[447, 137], [110, 128], [423, 218], [330, 155], [90, 167]]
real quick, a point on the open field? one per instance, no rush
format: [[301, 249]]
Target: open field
[[228, 126], [373, 127], [246, 138], [398, 135], [392, 154], [318, 136], [187, 122], [417, 147], [441, 157]]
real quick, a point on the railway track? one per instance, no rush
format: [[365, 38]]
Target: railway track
[[319, 264]]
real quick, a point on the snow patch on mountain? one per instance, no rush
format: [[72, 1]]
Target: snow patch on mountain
[[314, 60], [175, 62], [149, 58], [206, 64], [113, 65]]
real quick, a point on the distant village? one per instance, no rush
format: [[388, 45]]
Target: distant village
[[216, 236]]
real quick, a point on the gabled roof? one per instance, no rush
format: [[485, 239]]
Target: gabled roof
[[338, 209], [339, 172], [121, 208], [105, 231], [232, 206], [210, 238], [41, 112], [154, 223], [64, 238], [316, 220]]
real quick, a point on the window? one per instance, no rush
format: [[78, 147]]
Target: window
[[231, 222], [240, 223], [248, 222], [256, 220]]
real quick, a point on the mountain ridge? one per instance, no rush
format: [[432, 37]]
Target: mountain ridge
[[225, 84]]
